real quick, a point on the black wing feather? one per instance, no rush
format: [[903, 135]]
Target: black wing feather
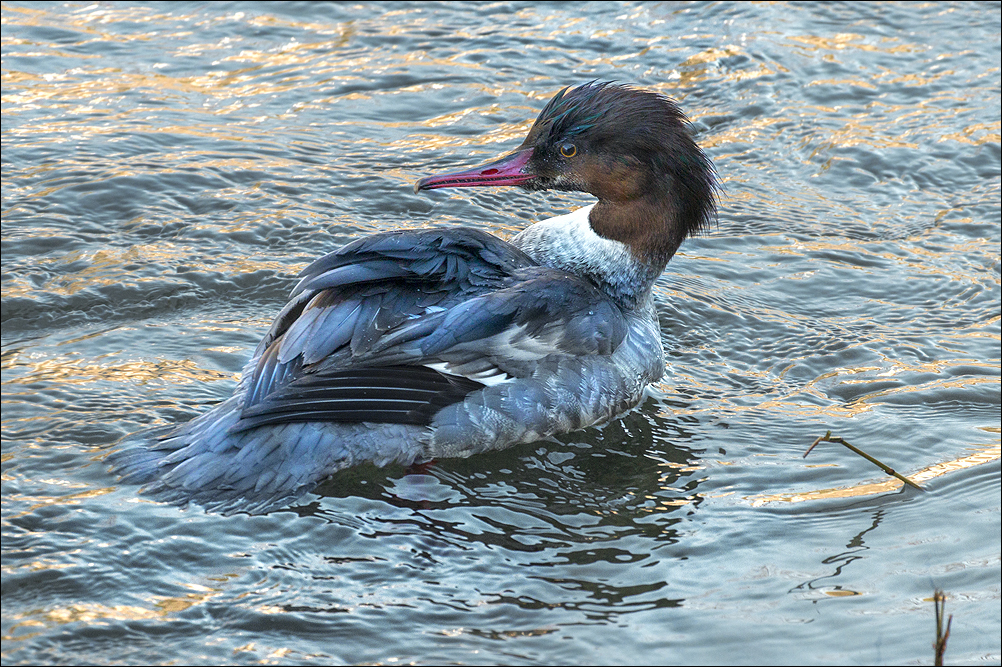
[[394, 394]]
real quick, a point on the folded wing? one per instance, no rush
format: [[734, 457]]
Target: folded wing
[[394, 327]]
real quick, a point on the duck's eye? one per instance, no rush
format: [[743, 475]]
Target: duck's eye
[[568, 150]]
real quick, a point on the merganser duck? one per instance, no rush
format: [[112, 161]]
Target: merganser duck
[[414, 345]]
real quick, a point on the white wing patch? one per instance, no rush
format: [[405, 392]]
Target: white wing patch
[[490, 377]]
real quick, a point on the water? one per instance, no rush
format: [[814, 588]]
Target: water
[[168, 169]]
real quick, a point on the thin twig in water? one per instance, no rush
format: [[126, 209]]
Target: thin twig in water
[[827, 437], [939, 600]]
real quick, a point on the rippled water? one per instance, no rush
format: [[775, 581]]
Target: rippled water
[[168, 169]]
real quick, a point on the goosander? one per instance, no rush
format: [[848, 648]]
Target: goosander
[[413, 345]]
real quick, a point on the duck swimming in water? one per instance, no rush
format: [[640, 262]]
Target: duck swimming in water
[[414, 345]]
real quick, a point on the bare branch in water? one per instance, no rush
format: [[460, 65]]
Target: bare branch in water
[[827, 437]]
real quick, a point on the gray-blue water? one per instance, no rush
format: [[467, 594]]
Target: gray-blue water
[[169, 168]]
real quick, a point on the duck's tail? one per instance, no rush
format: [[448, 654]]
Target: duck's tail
[[256, 470]]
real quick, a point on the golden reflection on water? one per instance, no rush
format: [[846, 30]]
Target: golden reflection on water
[[785, 405], [69, 371], [750, 132], [851, 41], [992, 134], [321, 57], [279, 70], [93, 613], [38, 502], [112, 266]]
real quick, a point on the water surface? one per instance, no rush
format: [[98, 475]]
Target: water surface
[[169, 168]]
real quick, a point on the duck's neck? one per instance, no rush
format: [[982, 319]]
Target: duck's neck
[[569, 242], [649, 225]]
